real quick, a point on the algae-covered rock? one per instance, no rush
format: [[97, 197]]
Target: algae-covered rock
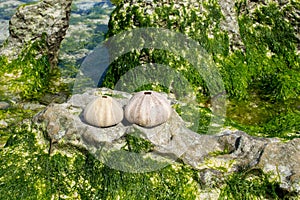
[[253, 44], [31, 22], [59, 156], [286, 165], [215, 157], [249, 41], [48, 158], [29, 56]]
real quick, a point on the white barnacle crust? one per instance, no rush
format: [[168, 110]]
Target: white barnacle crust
[[104, 111], [148, 109]]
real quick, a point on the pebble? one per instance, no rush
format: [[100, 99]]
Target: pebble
[[4, 105], [3, 124]]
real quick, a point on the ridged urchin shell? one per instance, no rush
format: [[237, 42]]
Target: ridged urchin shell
[[104, 111], [148, 109]]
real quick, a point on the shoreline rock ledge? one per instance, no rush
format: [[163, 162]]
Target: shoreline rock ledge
[[214, 156]]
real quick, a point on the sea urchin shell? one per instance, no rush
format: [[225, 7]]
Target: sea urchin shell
[[103, 112], [148, 109]]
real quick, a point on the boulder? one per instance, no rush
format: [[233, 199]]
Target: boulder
[[213, 155], [242, 37], [32, 21]]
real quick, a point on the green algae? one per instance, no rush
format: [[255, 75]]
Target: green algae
[[265, 99], [272, 65], [30, 75], [27, 171], [135, 143], [13, 116], [248, 185], [116, 2], [262, 78], [259, 103], [264, 118]]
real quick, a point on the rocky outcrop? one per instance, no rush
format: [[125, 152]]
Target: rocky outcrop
[[48, 17], [213, 155]]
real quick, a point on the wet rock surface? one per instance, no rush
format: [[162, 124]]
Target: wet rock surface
[[213, 155]]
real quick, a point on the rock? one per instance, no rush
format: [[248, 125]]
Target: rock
[[4, 105], [67, 119], [53, 98], [36, 31], [29, 24], [230, 24], [4, 24], [3, 124], [31, 106], [284, 160], [213, 155]]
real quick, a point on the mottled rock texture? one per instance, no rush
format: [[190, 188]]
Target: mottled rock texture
[[213, 155], [47, 18]]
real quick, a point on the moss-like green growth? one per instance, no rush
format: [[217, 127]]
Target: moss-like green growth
[[27, 171], [270, 65], [265, 71], [14, 117], [250, 184], [266, 119], [136, 144], [266, 74], [30, 75], [172, 16]]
